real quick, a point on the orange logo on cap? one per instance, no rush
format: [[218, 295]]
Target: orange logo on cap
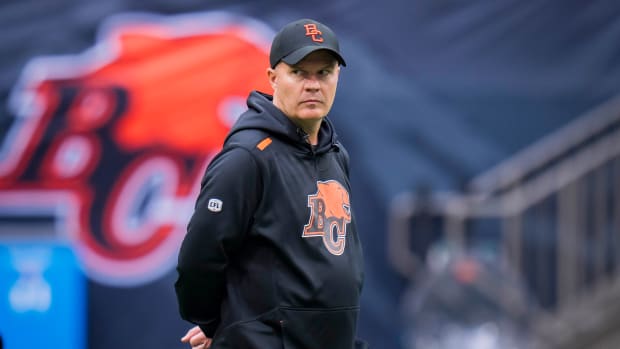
[[312, 31]]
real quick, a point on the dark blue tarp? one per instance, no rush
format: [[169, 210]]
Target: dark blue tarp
[[434, 93]]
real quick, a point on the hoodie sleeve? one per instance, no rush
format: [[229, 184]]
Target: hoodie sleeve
[[229, 195]]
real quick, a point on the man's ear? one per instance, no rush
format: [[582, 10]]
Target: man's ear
[[271, 75]]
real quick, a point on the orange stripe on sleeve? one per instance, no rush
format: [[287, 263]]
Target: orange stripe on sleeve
[[264, 144]]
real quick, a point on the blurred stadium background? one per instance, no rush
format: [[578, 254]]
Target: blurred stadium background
[[485, 145]]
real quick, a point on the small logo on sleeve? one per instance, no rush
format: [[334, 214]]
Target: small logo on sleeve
[[215, 205]]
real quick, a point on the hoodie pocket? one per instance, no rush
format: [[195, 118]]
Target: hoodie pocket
[[259, 333], [304, 328]]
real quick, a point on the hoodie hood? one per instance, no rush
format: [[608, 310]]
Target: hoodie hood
[[263, 115]]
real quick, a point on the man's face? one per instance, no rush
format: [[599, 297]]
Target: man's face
[[305, 91]]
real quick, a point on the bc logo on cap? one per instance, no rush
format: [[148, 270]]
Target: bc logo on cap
[[312, 31]]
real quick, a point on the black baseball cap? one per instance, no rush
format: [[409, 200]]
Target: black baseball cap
[[299, 38]]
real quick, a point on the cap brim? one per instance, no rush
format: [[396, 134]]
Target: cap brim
[[297, 55]]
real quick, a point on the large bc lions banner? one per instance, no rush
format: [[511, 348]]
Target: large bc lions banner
[[104, 142], [109, 145]]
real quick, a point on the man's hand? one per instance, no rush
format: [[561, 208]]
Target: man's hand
[[196, 339]]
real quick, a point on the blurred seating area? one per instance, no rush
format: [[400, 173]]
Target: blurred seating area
[[545, 222]]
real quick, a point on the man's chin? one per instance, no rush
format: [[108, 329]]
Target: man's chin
[[313, 115]]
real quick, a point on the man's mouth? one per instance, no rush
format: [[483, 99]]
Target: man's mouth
[[311, 101]]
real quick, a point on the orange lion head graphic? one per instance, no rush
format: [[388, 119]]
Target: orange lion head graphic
[[330, 212]]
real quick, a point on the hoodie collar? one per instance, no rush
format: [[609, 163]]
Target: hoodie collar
[[263, 115]]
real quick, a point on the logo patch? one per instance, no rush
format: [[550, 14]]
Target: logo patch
[[330, 212], [313, 32], [215, 205]]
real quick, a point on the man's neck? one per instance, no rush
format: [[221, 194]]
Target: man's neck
[[311, 129], [313, 140]]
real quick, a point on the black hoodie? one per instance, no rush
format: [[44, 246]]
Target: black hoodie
[[272, 258]]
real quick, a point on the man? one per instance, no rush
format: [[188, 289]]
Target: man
[[271, 258]]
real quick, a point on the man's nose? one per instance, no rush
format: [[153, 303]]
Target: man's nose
[[312, 83]]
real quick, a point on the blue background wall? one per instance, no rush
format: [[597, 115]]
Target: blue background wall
[[434, 93]]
